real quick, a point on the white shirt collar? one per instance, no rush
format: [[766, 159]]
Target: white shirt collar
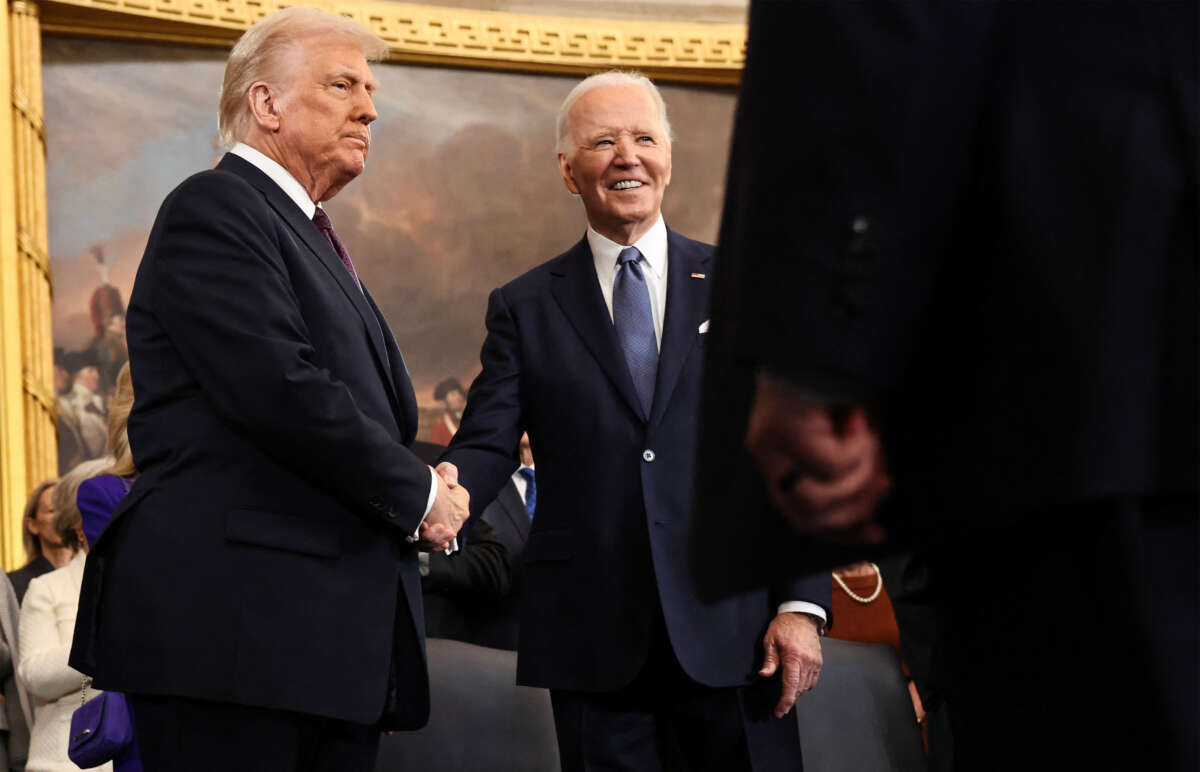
[[279, 175], [652, 245]]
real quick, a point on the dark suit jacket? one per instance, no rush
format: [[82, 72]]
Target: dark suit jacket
[[609, 543], [260, 557], [984, 227], [474, 595]]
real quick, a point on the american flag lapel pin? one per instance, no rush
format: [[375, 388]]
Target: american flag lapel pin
[[697, 276]]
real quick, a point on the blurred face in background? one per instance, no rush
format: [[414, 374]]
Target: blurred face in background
[[41, 524], [456, 402], [90, 377]]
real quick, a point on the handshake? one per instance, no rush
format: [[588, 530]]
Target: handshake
[[451, 508]]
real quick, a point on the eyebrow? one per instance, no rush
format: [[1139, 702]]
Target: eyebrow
[[371, 84], [609, 132]]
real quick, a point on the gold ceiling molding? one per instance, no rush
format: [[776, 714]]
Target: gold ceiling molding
[[697, 53]]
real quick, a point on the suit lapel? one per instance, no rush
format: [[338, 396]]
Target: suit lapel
[[304, 228], [510, 500], [577, 292], [406, 408], [685, 304]]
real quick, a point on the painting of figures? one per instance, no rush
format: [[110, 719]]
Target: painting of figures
[[461, 194]]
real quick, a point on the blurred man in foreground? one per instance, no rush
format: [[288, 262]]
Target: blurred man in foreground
[[969, 287]]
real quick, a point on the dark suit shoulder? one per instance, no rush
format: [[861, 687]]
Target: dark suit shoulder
[[537, 279], [219, 187], [689, 247]]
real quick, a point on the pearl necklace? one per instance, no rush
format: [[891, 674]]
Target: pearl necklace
[[859, 598]]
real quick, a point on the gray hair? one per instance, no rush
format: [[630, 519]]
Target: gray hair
[[66, 509], [258, 53], [562, 122]]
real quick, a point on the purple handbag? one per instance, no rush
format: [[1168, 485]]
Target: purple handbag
[[101, 730]]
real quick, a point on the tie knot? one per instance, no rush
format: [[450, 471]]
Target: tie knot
[[322, 220], [628, 255], [527, 473]]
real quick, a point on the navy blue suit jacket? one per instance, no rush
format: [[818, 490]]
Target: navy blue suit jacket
[[260, 558], [610, 539]]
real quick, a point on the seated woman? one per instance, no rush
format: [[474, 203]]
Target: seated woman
[[46, 628]]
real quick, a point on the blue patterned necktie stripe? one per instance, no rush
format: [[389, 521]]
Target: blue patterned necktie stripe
[[530, 490], [635, 325]]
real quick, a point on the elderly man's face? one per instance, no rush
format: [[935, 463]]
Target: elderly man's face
[[619, 160], [325, 113]]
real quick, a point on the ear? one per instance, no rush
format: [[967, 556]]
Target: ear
[[564, 166], [667, 179], [264, 106]]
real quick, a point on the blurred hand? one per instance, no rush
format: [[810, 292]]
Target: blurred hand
[[793, 643], [824, 472], [451, 508]]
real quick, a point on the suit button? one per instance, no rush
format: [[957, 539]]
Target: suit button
[[375, 502], [647, 455]]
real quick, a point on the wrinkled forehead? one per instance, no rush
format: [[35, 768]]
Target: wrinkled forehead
[[321, 54], [615, 108]]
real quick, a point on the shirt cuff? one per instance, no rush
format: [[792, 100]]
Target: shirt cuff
[[804, 607], [428, 503], [433, 488]]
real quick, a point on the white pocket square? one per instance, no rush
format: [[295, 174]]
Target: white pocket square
[[704, 326]]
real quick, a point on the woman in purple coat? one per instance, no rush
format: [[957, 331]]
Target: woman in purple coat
[[98, 498]]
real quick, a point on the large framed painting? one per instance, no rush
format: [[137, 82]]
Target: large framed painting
[[461, 194]]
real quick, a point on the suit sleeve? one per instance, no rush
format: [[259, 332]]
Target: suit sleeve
[[479, 572], [485, 446], [815, 589], [221, 293]]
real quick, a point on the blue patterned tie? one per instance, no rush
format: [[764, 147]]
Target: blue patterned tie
[[635, 325], [530, 490]]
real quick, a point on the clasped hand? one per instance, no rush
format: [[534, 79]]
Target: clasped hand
[[451, 508], [823, 465]]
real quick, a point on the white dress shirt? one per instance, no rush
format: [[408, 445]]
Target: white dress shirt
[[520, 482], [296, 192], [653, 246]]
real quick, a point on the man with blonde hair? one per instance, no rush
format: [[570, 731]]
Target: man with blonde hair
[[256, 593], [597, 355]]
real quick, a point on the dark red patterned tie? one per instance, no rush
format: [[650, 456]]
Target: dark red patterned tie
[[321, 220]]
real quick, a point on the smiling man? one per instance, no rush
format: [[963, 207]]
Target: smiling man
[[597, 354], [257, 592]]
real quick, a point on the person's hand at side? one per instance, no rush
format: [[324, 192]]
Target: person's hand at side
[[823, 467], [792, 645]]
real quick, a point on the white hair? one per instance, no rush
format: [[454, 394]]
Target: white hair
[[611, 78], [259, 53]]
